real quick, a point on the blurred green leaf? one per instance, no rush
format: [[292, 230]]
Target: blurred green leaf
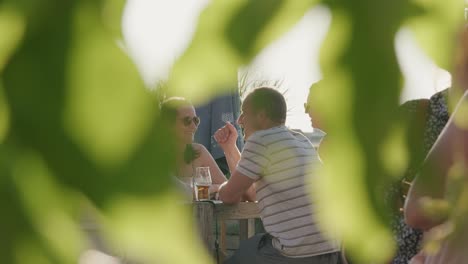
[[76, 118], [395, 155], [12, 26], [107, 109], [85, 109], [435, 209], [4, 115], [436, 28], [460, 214], [14, 225], [34, 86], [460, 118], [28, 250], [209, 62], [359, 98], [111, 14], [49, 206], [248, 23], [257, 23], [435, 238], [165, 223], [77, 101], [229, 34], [457, 197]]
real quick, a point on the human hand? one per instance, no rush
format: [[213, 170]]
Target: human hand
[[213, 191], [226, 136]]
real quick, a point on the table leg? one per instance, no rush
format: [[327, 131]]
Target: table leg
[[222, 240], [246, 228], [204, 214], [250, 227]]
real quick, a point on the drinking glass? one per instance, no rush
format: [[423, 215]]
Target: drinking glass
[[202, 183]]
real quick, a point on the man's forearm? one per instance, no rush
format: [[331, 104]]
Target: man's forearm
[[250, 194], [232, 157]]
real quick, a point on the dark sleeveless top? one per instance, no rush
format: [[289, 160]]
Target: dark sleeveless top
[[408, 239]]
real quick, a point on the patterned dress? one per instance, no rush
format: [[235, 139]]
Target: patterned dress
[[408, 239]]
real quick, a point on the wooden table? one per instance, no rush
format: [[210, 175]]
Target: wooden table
[[207, 212]]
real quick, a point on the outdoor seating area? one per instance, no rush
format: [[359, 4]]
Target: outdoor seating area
[[234, 132]]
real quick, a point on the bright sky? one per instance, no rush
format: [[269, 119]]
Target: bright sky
[[157, 32]]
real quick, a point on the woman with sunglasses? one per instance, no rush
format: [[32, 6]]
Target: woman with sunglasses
[[180, 113]]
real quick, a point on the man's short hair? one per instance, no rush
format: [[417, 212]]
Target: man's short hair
[[269, 100]]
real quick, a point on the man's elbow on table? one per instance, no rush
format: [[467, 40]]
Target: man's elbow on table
[[226, 196], [228, 199], [249, 195], [234, 190]]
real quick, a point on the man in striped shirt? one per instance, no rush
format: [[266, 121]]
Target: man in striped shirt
[[275, 168]]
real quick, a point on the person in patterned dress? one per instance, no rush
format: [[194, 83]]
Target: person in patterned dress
[[430, 115], [441, 105]]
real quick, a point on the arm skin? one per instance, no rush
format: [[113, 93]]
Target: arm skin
[[431, 182], [239, 187]]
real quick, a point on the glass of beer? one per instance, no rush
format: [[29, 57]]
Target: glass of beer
[[202, 183]]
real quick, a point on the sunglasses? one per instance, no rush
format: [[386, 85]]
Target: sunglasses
[[188, 120]]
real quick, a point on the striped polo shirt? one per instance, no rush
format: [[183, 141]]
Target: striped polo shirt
[[282, 162]]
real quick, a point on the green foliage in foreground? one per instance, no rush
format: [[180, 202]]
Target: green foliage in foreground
[[79, 132]]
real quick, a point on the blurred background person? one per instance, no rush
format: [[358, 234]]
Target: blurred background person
[[431, 181], [432, 184], [318, 133]]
